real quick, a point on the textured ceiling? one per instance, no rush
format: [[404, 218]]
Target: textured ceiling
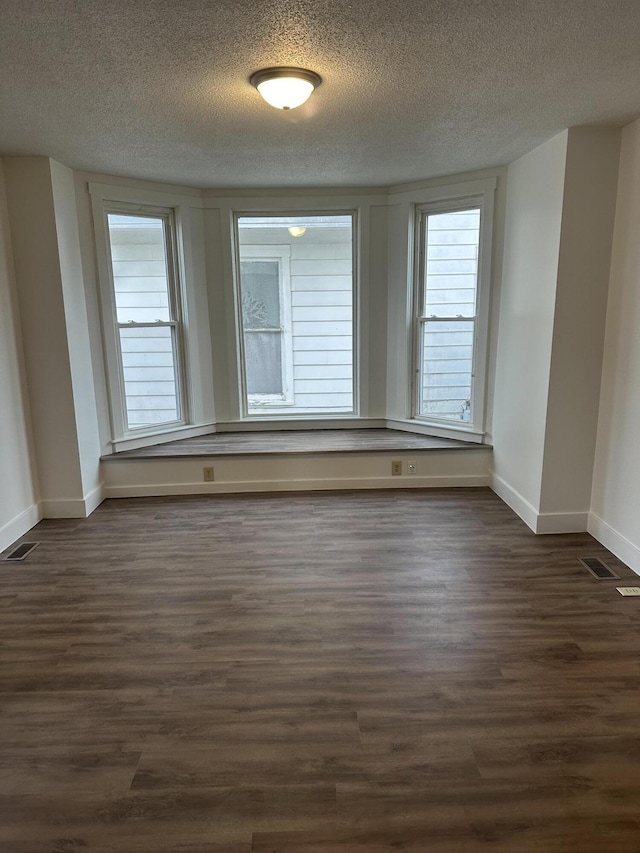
[[412, 88]]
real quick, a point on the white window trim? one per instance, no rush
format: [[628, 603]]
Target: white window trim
[[281, 254], [111, 327], [448, 201]]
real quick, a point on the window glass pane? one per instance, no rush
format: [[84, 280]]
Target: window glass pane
[[263, 359], [446, 369], [148, 363], [296, 279], [139, 263], [262, 327], [260, 294], [451, 270]]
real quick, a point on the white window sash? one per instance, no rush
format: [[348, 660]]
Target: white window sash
[[111, 326]]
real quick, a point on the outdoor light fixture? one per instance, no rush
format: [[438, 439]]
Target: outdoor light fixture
[[285, 88], [296, 230]]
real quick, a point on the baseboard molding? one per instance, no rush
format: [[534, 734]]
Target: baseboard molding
[[302, 485], [80, 508], [562, 522], [18, 526], [539, 522], [618, 544], [514, 500], [93, 500]]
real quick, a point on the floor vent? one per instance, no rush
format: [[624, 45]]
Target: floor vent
[[21, 552], [597, 568]]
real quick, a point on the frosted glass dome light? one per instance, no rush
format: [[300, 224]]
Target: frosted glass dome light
[[285, 88]]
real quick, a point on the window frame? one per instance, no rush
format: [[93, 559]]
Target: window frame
[[483, 201], [275, 414], [111, 326]]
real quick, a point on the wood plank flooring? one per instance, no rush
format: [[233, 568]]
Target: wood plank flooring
[[316, 673], [295, 441]]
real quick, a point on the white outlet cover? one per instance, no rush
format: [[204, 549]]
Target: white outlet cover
[[628, 590]]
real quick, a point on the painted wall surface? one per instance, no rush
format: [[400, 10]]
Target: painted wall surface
[[18, 493], [46, 347], [77, 328], [615, 511], [579, 322], [535, 190], [296, 472]]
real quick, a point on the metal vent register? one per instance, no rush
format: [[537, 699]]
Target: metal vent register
[[597, 568], [21, 552]]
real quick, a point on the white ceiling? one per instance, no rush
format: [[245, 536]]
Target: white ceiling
[[412, 88]]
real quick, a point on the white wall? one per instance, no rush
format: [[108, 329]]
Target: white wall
[[298, 471], [77, 332], [579, 321], [535, 185], [45, 245], [615, 509], [561, 201], [18, 491]]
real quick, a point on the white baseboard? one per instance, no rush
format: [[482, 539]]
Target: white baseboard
[[513, 499], [562, 522], [18, 526], [618, 544], [302, 485], [80, 508], [539, 522], [93, 500]]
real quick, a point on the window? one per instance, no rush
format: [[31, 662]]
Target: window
[[146, 334], [266, 322], [449, 337], [295, 302]]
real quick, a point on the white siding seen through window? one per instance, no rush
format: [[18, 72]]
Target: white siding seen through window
[[447, 295], [145, 319], [298, 359]]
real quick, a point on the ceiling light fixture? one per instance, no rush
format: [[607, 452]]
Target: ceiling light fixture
[[296, 230], [285, 88]]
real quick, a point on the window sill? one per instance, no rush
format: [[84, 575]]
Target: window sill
[[460, 433], [161, 436]]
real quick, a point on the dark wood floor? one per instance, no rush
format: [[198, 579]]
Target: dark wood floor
[[296, 441], [336, 673]]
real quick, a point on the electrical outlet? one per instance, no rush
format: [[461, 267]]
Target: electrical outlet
[[411, 467], [207, 475], [396, 468], [628, 590]]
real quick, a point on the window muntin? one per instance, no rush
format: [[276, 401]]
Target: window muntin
[[447, 313], [299, 359], [147, 318]]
